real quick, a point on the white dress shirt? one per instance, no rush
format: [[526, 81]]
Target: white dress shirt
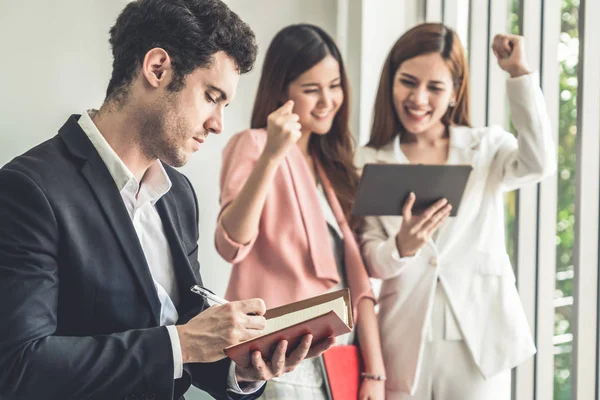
[[139, 199]]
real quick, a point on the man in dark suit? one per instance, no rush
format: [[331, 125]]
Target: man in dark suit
[[98, 233]]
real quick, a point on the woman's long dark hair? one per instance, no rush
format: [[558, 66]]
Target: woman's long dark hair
[[293, 51]]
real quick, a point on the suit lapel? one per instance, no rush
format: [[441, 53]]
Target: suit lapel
[[462, 145], [112, 205], [462, 151], [110, 202], [167, 209]]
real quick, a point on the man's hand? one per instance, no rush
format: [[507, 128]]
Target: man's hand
[[259, 370], [205, 336]]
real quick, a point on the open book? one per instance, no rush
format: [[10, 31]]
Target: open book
[[322, 316]]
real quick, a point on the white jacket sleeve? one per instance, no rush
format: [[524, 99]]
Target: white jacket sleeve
[[532, 155], [380, 251]]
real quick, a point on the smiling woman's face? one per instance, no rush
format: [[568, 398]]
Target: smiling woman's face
[[318, 96], [423, 91]]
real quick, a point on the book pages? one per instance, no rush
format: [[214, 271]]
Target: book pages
[[338, 306]]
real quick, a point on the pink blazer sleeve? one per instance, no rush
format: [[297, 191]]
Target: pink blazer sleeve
[[239, 157]]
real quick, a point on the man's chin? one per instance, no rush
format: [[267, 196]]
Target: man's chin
[[175, 162]]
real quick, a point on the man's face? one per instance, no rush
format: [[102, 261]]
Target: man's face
[[173, 126]]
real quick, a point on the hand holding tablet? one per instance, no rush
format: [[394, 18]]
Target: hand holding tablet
[[424, 195], [416, 230]]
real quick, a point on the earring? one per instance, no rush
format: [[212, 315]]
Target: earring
[[452, 104]]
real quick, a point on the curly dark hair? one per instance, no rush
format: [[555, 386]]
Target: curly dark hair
[[190, 31]]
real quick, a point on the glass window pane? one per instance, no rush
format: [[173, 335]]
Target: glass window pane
[[568, 56]]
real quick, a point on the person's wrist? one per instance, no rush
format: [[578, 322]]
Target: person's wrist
[[374, 369], [183, 342], [402, 252], [271, 158], [373, 382], [518, 71], [367, 376], [239, 375]]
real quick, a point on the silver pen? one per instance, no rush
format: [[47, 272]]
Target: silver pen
[[206, 293]]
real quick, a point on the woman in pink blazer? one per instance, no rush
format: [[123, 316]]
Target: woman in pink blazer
[[287, 188]]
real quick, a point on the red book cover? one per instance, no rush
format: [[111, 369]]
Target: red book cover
[[343, 366]]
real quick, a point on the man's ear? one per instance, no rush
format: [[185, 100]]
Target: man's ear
[[157, 67]]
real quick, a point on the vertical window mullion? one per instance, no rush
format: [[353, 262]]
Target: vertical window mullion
[[478, 61], [585, 315], [527, 240], [544, 368]]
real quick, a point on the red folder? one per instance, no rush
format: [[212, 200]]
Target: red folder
[[343, 366], [320, 327]]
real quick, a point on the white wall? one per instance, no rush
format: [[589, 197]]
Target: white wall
[[56, 61]]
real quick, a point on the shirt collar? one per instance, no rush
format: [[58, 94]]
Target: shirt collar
[[155, 182], [460, 139]]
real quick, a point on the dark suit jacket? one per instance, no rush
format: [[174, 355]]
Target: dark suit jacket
[[79, 313]]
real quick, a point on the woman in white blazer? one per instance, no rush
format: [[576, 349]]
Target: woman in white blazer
[[450, 316]]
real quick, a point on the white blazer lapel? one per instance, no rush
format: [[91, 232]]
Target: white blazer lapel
[[463, 147], [391, 153]]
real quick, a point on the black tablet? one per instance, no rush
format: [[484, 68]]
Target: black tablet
[[384, 188]]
